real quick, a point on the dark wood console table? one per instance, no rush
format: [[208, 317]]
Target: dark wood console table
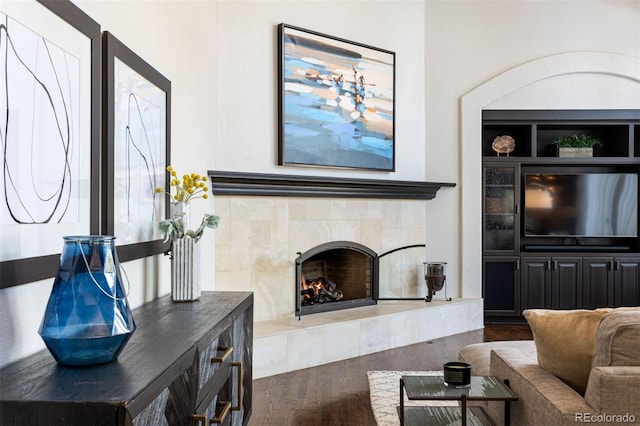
[[186, 363]]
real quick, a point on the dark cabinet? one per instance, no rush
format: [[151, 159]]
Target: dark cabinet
[[611, 281], [566, 283], [186, 364], [626, 281], [501, 290], [597, 291], [536, 276], [551, 282]]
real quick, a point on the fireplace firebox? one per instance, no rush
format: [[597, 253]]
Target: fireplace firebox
[[335, 275]]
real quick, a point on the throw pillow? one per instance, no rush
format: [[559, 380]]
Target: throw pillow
[[565, 342]]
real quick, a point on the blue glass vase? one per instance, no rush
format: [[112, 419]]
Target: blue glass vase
[[88, 319]]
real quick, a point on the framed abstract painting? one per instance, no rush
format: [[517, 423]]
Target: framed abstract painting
[[136, 150], [49, 132], [336, 102]]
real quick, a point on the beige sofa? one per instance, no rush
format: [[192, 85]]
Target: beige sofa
[[613, 389]]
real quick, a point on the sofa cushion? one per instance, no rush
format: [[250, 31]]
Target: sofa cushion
[[565, 342], [618, 339], [478, 354]]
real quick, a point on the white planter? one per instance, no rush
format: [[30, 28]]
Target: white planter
[[575, 152], [185, 270]]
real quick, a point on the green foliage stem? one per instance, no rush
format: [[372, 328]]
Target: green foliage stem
[[577, 141], [174, 228]]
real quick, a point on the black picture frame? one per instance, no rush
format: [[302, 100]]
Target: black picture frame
[[115, 54], [34, 268], [336, 102]]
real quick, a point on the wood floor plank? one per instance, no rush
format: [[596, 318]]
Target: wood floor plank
[[337, 394]]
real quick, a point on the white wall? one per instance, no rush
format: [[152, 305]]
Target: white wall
[[221, 59]]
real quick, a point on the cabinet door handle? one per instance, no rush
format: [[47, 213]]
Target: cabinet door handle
[[617, 264], [200, 419], [516, 209], [548, 264], [226, 409], [517, 265], [555, 265], [239, 378], [610, 265], [225, 355]]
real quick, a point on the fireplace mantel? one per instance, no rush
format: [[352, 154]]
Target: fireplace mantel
[[239, 183]]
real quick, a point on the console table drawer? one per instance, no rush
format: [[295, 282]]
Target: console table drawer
[[217, 413], [217, 353], [224, 402]]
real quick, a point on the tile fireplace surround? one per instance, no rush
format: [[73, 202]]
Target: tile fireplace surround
[[261, 231]]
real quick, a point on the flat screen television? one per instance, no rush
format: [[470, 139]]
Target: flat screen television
[[580, 204]]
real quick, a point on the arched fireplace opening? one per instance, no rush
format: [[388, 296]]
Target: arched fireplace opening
[[335, 275]]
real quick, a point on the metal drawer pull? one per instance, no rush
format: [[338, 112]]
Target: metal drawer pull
[[239, 376], [225, 412], [225, 355], [200, 420]]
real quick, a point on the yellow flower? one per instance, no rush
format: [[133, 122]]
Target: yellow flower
[[191, 186]]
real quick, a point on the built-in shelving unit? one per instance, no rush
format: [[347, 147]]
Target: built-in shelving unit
[[524, 270], [534, 132]]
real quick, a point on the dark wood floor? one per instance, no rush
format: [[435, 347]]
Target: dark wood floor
[[338, 393]]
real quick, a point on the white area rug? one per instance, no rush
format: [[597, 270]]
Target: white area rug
[[384, 387]]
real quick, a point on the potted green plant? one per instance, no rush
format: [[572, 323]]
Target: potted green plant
[[576, 145]]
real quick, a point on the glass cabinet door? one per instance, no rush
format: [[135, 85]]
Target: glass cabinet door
[[500, 209]]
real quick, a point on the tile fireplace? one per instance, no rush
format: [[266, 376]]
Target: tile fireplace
[[267, 219]]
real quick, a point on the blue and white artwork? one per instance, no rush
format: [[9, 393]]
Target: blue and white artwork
[[337, 102]]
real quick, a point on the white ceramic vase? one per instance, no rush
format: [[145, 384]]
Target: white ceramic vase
[[185, 270]]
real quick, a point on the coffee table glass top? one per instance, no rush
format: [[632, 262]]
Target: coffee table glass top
[[434, 388]]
